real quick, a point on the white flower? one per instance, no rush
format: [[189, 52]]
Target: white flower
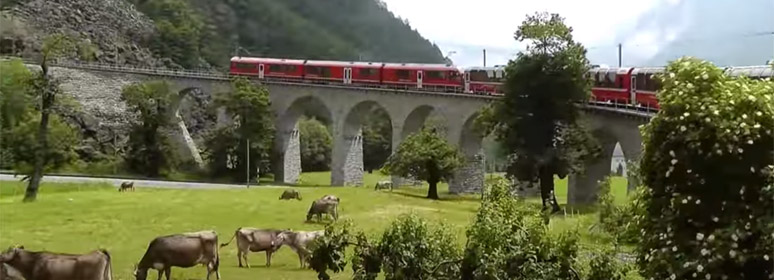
[[686, 114], [705, 252], [766, 257], [758, 113], [674, 248], [734, 237], [672, 153], [744, 116], [674, 161], [757, 125], [685, 201], [683, 128], [716, 112], [673, 277], [699, 236], [732, 253], [740, 150], [671, 75], [707, 276], [705, 76], [711, 237], [699, 268], [752, 169], [698, 201], [750, 142], [707, 119], [689, 85], [689, 171], [686, 264], [714, 219]]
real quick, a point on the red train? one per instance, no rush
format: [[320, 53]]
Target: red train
[[632, 86]]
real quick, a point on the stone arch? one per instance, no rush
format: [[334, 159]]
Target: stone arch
[[413, 122], [287, 153], [470, 177], [347, 165], [609, 130], [187, 99]]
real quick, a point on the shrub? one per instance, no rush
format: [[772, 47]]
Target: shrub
[[707, 165], [604, 266], [509, 241], [328, 250], [619, 220], [413, 249]]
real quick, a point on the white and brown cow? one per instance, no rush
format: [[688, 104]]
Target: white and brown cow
[[255, 240], [181, 250], [299, 242], [43, 265]]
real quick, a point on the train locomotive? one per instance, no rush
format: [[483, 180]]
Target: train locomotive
[[632, 86]]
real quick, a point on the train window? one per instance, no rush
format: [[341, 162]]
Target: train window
[[479, 76], [326, 72], [368, 72], [642, 84], [436, 75], [243, 65], [403, 74], [290, 68], [275, 68], [653, 83], [313, 70]]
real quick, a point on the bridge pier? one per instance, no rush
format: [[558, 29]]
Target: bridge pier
[[470, 177], [347, 161], [287, 164]]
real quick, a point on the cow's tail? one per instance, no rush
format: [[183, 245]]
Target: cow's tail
[[232, 238], [108, 272]]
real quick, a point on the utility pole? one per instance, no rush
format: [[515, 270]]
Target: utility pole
[[247, 152], [619, 55], [484, 57]]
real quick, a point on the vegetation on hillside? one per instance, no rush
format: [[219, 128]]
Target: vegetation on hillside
[[707, 168], [538, 120], [195, 33]]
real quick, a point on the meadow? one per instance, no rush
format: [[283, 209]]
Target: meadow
[[79, 218]]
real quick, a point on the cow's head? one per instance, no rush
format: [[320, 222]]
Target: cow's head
[[11, 253], [140, 274], [281, 239]]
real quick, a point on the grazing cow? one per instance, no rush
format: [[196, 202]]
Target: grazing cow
[[326, 205], [126, 186], [298, 241], [290, 194], [383, 185], [181, 250], [94, 265], [255, 240]]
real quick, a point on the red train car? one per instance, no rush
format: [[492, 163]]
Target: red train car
[[611, 85], [485, 80], [268, 67], [424, 76], [645, 86], [343, 72]]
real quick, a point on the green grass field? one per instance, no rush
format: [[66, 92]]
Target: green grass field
[[79, 218]]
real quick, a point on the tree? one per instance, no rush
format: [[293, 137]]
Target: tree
[[707, 171], [249, 107], [178, 30], [377, 143], [538, 120], [425, 155], [45, 89], [316, 145], [150, 152]]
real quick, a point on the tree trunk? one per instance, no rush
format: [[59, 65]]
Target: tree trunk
[[547, 193], [432, 191], [47, 99]]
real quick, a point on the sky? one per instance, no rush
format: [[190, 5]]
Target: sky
[[467, 27]]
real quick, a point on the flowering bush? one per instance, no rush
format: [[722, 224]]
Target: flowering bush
[[707, 168]]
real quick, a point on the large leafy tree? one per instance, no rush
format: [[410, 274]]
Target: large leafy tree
[[249, 106], [150, 149], [707, 172], [538, 119], [316, 145], [45, 89], [425, 155]]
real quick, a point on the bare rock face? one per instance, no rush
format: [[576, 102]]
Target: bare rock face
[[115, 27]]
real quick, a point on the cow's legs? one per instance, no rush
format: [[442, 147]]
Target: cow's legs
[[268, 258], [167, 272], [161, 271], [247, 263], [239, 257]]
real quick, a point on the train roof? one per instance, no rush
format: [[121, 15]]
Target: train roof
[[420, 66], [487, 68], [751, 71], [611, 70], [343, 63], [648, 70], [266, 60]]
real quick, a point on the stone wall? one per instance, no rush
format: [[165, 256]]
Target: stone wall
[[292, 159]]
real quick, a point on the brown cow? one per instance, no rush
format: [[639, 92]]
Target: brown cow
[[290, 194], [328, 204], [299, 241], [255, 240], [126, 186], [181, 250], [43, 265]]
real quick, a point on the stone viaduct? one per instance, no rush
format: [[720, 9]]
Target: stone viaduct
[[344, 107]]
